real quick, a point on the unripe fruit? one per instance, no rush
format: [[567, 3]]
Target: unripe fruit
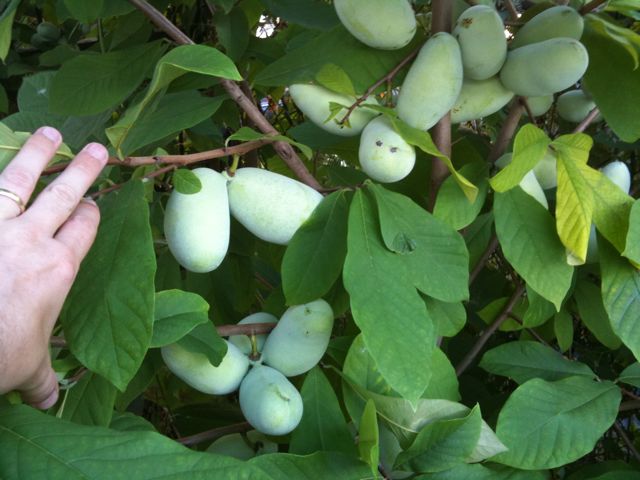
[[385, 24], [314, 101], [575, 105], [196, 370], [242, 341], [48, 31], [432, 84], [300, 339], [197, 226], [546, 171], [269, 205], [618, 173], [529, 182], [234, 445], [539, 105], [544, 68], [479, 98], [554, 22], [383, 153], [480, 33], [269, 402]]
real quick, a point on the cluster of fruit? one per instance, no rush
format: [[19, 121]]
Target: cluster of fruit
[[472, 73], [269, 402]]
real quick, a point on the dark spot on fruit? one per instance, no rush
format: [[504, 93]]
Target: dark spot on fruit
[[379, 143], [466, 23], [393, 149]]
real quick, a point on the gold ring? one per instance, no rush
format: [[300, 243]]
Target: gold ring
[[13, 196]]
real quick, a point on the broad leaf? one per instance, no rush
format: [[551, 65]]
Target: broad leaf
[[450, 318], [308, 13], [186, 182], [631, 375], [369, 438], [632, 249], [204, 339], [89, 402], [593, 314], [176, 314], [248, 134], [476, 471], [563, 328], [538, 311]]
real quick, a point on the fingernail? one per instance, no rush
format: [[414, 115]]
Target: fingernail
[[96, 150], [51, 133], [89, 200]]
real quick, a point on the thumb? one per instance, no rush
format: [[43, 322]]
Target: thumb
[[42, 390]]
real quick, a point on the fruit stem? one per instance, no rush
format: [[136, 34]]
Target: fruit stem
[[234, 165], [255, 354]]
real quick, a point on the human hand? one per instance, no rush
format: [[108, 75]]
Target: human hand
[[40, 254]]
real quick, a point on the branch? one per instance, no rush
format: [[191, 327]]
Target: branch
[[513, 13], [484, 338], [591, 6], [283, 149], [627, 441], [582, 126], [215, 433], [507, 131], [493, 244]]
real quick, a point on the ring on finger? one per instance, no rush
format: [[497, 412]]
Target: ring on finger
[[13, 196]]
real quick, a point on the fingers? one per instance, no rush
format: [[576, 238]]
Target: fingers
[[55, 203], [79, 231], [22, 173], [42, 391]]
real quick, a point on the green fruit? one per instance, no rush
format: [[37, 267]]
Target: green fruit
[[242, 341], [575, 105], [385, 24], [269, 402], [546, 171], [197, 226], [544, 68], [529, 182], [314, 101], [479, 98], [269, 205], [432, 84], [540, 105], [300, 339], [196, 370], [48, 31], [619, 174], [559, 21], [383, 153], [483, 45], [236, 446]]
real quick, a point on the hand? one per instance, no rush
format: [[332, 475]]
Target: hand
[[40, 254]]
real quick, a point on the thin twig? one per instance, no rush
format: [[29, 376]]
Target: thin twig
[[584, 124], [627, 441], [525, 103], [591, 6], [531, 331], [215, 433], [629, 405], [286, 151], [629, 394], [491, 329], [513, 12], [118, 186], [493, 244], [507, 131]]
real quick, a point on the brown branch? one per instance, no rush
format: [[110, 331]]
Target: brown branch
[[215, 433], [493, 244], [513, 12], [629, 405], [591, 6], [629, 394], [584, 124], [491, 329], [527, 108], [286, 151], [531, 331], [623, 435], [507, 131]]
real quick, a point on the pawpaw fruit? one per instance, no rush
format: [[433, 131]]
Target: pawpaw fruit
[[479, 98], [269, 402], [270, 205], [384, 155], [48, 31], [529, 182], [314, 101], [554, 22], [544, 68], [300, 339], [433, 82], [196, 370], [242, 341], [480, 33], [575, 105], [234, 445], [384, 24], [619, 174], [546, 171], [539, 105], [197, 226]]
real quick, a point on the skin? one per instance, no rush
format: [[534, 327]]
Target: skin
[[40, 254]]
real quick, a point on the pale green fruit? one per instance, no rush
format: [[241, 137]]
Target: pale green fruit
[[544, 68], [554, 22], [384, 24], [479, 98], [234, 445], [432, 84], [314, 101], [546, 171], [483, 45], [529, 182], [197, 226], [300, 339], [269, 205], [540, 105], [242, 341], [383, 153], [618, 173], [196, 370], [575, 105], [269, 402]]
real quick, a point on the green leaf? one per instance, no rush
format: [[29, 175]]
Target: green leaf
[[450, 318], [108, 315], [307, 13], [529, 241], [314, 258], [632, 244], [176, 314], [11, 142], [631, 375], [538, 311], [368, 438], [186, 182], [85, 12], [563, 421], [91, 83], [476, 471], [385, 305], [323, 427], [563, 328], [335, 78], [204, 339], [6, 26], [451, 204], [625, 37], [621, 296], [529, 147], [90, 401], [443, 444], [232, 31], [593, 314], [434, 254], [248, 134], [525, 360]]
